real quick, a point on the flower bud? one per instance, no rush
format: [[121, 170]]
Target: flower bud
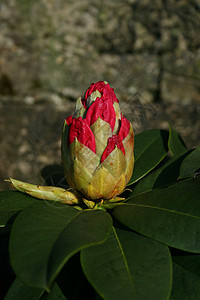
[[97, 145]]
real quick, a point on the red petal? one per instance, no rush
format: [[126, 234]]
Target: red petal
[[93, 87], [108, 93], [79, 129], [101, 109], [84, 103], [124, 128], [104, 88], [69, 120], [112, 142]]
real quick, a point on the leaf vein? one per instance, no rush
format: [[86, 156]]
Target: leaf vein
[[125, 261], [164, 209]]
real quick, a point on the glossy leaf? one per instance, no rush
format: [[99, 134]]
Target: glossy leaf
[[191, 165], [190, 262], [55, 294], [128, 266], [170, 215], [33, 235], [186, 285], [11, 202], [43, 238], [167, 174], [150, 149], [88, 228], [175, 143], [19, 290]]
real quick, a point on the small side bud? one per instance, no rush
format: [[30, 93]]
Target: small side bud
[[51, 193]]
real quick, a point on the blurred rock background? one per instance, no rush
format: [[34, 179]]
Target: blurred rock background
[[50, 52]]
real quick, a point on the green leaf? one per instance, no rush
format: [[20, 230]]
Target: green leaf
[[55, 294], [11, 203], [170, 215], [150, 149], [128, 266], [54, 176], [189, 262], [175, 143], [165, 175], [186, 285], [43, 238], [191, 164], [19, 290], [186, 277], [72, 280], [33, 235], [88, 228]]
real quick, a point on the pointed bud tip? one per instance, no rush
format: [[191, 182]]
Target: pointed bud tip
[[7, 180]]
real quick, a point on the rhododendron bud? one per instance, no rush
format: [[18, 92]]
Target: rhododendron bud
[[97, 145]]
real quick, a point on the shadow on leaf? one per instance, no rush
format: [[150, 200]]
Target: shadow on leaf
[[54, 176]]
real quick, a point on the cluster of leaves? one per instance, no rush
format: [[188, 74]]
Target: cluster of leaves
[[146, 248]]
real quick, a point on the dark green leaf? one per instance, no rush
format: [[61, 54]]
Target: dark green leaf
[[190, 263], [128, 266], [55, 294], [150, 149], [186, 285], [170, 215], [175, 143], [191, 165], [11, 203], [54, 175], [72, 280], [43, 238], [19, 290], [165, 175], [88, 228], [33, 234]]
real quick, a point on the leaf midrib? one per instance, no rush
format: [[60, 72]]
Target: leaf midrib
[[162, 209], [125, 261]]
